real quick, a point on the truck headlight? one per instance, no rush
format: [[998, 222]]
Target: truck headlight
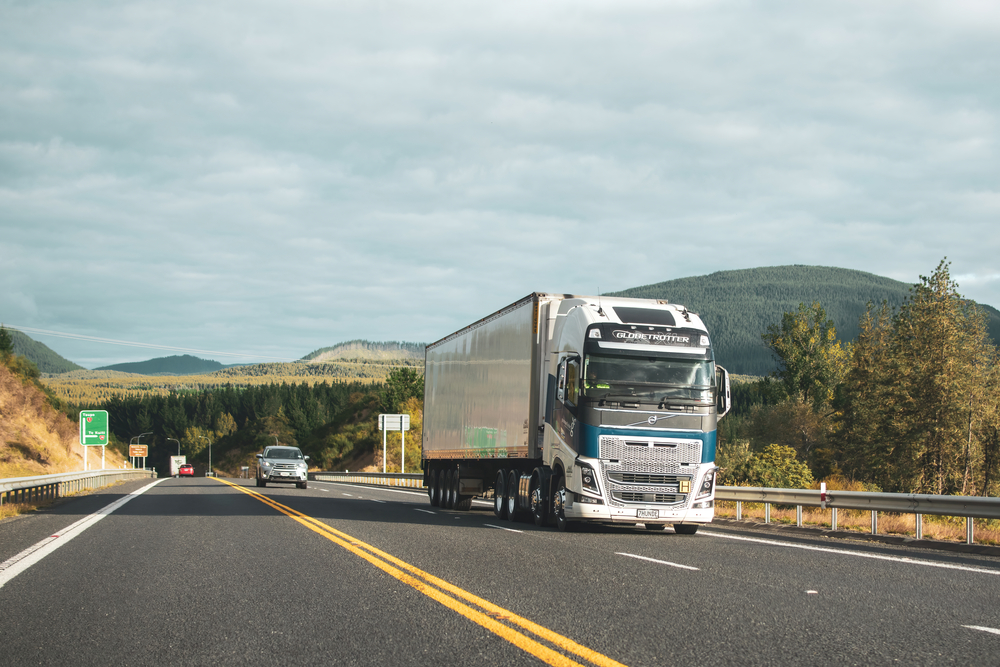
[[589, 478], [707, 485]]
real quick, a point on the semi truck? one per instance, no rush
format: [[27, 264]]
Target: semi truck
[[568, 409]]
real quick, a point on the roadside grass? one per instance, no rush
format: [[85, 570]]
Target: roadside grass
[[944, 528]]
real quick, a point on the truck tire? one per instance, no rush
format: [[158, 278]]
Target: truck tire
[[510, 497], [449, 489], [559, 505], [539, 500], [302, 485], [685, 528], [433, 492], [500, 495], [262, 482]]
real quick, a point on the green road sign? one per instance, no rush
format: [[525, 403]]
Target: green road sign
[[93, 428]]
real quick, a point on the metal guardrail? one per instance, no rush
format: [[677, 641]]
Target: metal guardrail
[[45, 487], [412, 480], [967, 507]]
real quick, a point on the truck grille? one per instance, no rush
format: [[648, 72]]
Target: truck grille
[[634, 468], [648, 498]]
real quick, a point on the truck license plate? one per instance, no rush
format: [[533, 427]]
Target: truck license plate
[[648, 514]]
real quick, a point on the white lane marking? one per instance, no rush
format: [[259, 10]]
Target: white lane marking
[[15, 565], [812, 592], [347, 494], [425, 511], [379, 488], [659, 562], [979, 627], [381, 502], [859, 554], [490, 525], [325, 490]]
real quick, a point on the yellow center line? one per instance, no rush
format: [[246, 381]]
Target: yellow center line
[[400, 569]]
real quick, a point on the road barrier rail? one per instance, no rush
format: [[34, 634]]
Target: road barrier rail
[[48, 487], [967, 507], [411, 480]]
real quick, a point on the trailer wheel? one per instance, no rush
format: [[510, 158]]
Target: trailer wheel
[[450, 489], [511, 496], [500, 495], [559, 505], [685, 528], [432, 488]]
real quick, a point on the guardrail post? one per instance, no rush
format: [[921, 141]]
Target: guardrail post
[[874, 522], [833, 518], [767, 512], [739, 510], [968, 530], [798, 515], [919, 526]]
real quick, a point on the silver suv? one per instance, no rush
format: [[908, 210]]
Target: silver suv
[[282, 464]]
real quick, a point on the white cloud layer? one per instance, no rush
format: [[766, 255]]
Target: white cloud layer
[[274, 178]]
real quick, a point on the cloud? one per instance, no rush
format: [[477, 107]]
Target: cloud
[[275, 179]]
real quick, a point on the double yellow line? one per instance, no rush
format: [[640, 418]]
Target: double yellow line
[[495, 619]]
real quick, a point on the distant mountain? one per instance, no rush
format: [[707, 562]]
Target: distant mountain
[[176, 365], [40, 354], [738, 306], [367, 350]]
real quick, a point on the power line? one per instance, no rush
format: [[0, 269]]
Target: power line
[[150, 346]]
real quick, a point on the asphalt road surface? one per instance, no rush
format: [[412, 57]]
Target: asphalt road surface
[[203, 571]]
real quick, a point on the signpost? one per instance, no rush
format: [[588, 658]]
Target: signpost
[[138, 451], [399, 423], [93, 432]]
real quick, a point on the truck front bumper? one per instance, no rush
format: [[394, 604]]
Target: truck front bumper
[[578, 511]]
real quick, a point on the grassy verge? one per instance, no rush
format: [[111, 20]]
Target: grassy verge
[[945, 528]]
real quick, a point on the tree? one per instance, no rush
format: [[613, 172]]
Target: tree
[[776, 467], [939, 348], [6, 343], [403, 383], [812, 360]]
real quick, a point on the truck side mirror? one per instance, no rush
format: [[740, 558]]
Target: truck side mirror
[[723, 397]]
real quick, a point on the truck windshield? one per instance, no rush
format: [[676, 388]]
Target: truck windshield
[[648, 378]]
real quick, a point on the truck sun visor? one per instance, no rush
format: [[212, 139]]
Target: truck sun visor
[[645, 316]]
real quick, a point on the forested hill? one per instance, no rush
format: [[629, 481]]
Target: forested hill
[[738, 306], [40, 354], [366, 350], [175, 365]]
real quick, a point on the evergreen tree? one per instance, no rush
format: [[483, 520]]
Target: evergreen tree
[[6, 343]]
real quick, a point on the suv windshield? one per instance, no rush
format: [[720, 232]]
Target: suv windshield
[[651, 379], [282, 454]]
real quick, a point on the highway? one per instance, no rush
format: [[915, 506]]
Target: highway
[[203, 571]]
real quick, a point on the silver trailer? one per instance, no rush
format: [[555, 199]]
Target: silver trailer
[[571, 408]]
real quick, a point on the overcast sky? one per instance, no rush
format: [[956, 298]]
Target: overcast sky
[[265, 179]]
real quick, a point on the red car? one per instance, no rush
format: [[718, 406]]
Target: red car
[[186, 469]]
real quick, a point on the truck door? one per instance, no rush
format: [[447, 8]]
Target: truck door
[[567, 400]]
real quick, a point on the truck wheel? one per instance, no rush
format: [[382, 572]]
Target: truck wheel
[[256, 481], [262, 482], [433, 492], [559, 505], [448, 489], [539, 503], [511, 496], [685, 528], [499, 495], [302, 485]]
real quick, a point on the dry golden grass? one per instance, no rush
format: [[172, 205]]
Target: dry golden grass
[[950, 529], [36, 439]]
